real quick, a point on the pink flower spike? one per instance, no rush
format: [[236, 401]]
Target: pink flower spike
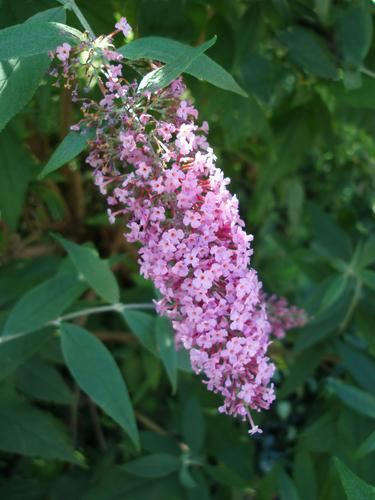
[[63, 51], [124, 26]]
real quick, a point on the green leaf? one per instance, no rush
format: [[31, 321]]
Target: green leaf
[[354, 487], [15, 170], [166, 50], [30, 39], [43, 304], [71, 146], [152, 466], [19, 78], [360, 366], [329, 238], [323, 324], [356, 399], [354, 27], [14, 352], [368, 446], [309, 51], [302, 368], [363, 97], [95, 371], [30, 431], [304, 475], [95, 270], [367, 254], [368, 278], [161, 77], [193, 423], [142, 325], [42, 381], [287, 488], [166, 348]]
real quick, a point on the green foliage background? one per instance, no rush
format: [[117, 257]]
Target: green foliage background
[[300, 152]]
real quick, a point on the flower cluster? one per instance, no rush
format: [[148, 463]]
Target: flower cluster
[[152, 161]]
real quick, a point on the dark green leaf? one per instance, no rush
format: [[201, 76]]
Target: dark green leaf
[[161, 77], [193, 423], [360, 366], [304, 475], [30, 39], [166, 348], [287, 488], [152, 466], [354, 25], [363, 97], [368, 278], [356, 399], [41, 381], [43, 304], [73, 144], [29, 431], [367, 254], [166, 50], [355, 488], [323, 324], [368, 446], [302, 368], [95, 270], [142, 325], [96, 372], [15, 170], [330, 239], [14, 352], [309, 51]]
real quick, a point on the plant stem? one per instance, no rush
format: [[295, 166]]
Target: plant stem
[[100, 309], [367, 72], [72, 4], [83, 312]]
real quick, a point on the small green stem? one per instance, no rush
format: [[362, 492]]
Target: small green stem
[[352, 306], [100, 309], [367, 72], [84, 312], [72, 4]]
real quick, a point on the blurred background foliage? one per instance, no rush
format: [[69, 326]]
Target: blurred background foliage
[[300, 153]]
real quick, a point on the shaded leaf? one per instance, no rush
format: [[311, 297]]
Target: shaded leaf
[[309, 51], [43, 303], [354, 26], [15, 169], [95, 270], [142, 325], [41, 381], [14, 352], [152, 466], [72, 144], [95, 371], [166, 348], [356, 399], [368, 446], [355, 488], [30, 431]]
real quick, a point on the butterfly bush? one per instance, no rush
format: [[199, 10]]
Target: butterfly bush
[[151, 160]]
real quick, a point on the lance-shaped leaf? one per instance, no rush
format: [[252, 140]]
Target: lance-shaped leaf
[[44, 303], [95, 371], [167, 50], [95, 270], [72, 144], [161, 77], [354, 487], [166, 348]]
